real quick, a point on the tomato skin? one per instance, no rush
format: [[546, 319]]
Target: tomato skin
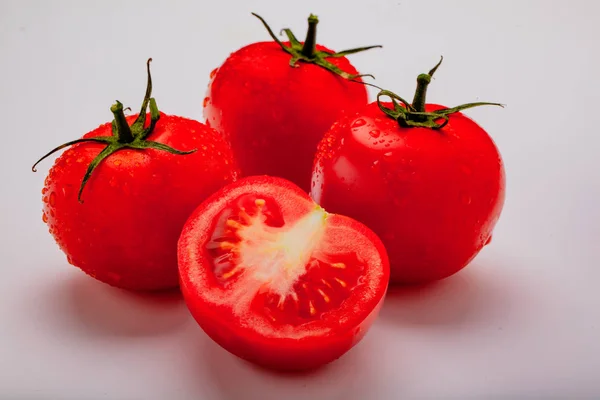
[[275, 115], [432, 196], [136, 201], [240, 337]]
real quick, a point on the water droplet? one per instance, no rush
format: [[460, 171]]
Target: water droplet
[[44, 217], [465, 199], [375, 133], [213, 73], [70, 260], [388, 154], [205, 101], [67, 190], [52, 199], [387, 145], [117, 162], [79, 160], [44, 190], [488, 241], [45, 199], [342, 141], [226, 162], [52, 213], [359, 122]]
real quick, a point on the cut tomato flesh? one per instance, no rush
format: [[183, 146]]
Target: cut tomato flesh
[[295, 280], [260, 260]]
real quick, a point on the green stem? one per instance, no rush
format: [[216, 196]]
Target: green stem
[[418, 102], [123, 131], [310, 44], [414, 115]]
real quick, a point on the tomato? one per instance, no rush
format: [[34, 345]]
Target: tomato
[[276, 280], [427, 179], [275, 100], [116, 201]]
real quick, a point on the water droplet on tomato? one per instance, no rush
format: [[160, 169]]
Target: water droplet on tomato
[[213, 73], [375, 133], [359, 122], [388, 154], [52, 199], [205, 101], [44, 190], [70, 260], [387, 145], [45, 199], [52, 213], [465, 199], [117, 162], [44, 217], [488, 241]]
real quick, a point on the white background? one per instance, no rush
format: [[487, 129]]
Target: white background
[[521, 322]]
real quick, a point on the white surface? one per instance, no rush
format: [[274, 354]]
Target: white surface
[[522, 321]]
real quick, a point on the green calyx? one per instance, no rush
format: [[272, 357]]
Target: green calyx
[[308, 53], [123, 135], [414, 115]]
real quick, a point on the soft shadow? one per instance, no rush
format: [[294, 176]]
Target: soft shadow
[[466, 297], [99, 309], [233, 378]]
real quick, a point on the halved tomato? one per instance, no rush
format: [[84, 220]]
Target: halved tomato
[[275, 279]]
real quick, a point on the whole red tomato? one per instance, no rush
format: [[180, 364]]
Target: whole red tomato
[[426, 178], [275, 100], [141, 182], [275, 279]]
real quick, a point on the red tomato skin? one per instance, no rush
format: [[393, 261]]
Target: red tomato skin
[[275, 115], [277, 354], [135, 203], [283, 354], [433, 197]]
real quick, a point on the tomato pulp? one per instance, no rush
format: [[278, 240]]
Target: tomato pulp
[[432, 193], [274, 113], [275, 279]]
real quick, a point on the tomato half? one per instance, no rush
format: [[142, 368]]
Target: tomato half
[[275, 279]]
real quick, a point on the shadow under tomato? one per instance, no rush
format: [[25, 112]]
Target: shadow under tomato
[[103, 310], [234, 378], [469, 296]]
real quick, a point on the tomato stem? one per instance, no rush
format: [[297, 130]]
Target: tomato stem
[[423, 81], [414, 115], [123, 135], [310, 43], [308, 52], [120, 126]]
